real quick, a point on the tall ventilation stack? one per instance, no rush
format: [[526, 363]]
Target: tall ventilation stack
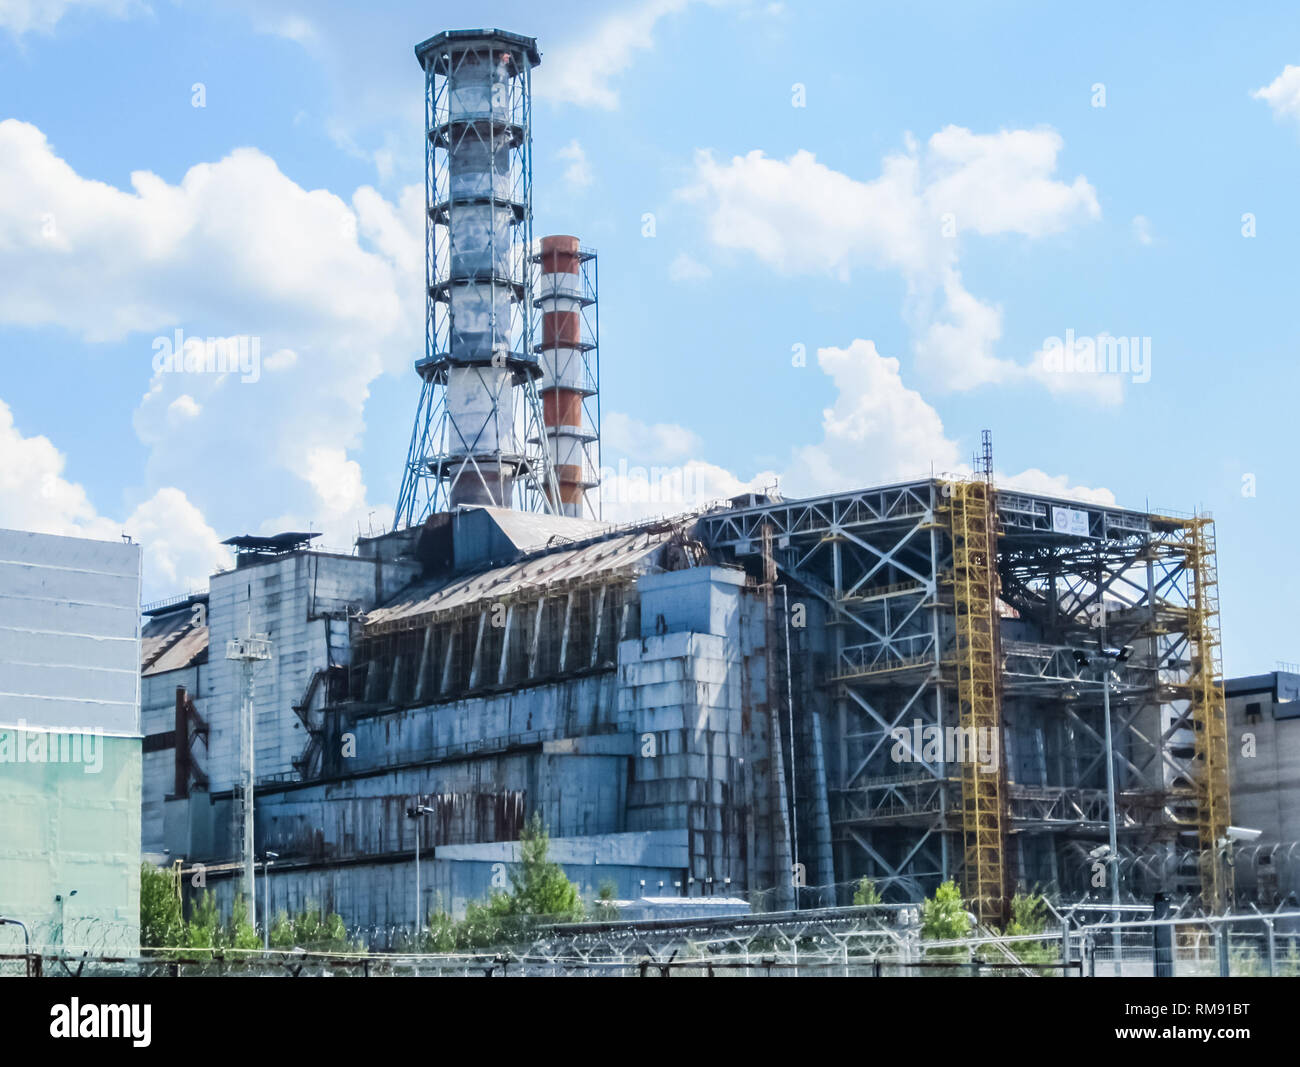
[[570, 362], [478, 436]]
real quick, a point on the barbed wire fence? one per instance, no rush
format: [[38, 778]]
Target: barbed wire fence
[[1261, 936]]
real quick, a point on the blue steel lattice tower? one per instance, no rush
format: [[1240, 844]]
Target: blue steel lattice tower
[[479, 436]]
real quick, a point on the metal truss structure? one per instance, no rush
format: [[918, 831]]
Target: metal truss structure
[[478, 435], [900, 663]]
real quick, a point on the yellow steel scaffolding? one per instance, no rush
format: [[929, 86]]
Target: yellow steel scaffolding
[[974, 563], [1209, 716]]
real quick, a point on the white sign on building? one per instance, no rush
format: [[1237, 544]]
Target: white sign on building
[[1069, 521]]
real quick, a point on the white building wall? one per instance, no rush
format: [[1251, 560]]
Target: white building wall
[[69, 813]]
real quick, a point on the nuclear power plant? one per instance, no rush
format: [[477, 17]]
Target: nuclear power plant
[[750, 706]]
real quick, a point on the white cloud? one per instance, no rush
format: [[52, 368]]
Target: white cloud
[[641, 442], [685, 268], [879, 431], [1047, 367], [1002, 182], [1035, 481], [331, 291], [799, 216], [182, 408], [630, 492], [41, 16], [292, 27], [1142, 230], [578, 172], [181, 549], [955, 344], [876, 432], [338, 482], [1282, 94], [581, 71]]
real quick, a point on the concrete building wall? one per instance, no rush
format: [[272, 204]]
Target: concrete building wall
[[1264, 767], [70, 760], [302, 601], [158, 716], [379, 898]]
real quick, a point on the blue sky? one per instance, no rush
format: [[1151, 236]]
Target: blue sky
[[948, 198]]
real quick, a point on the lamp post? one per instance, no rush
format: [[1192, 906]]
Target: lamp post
[[267, 857], [62, 902], [415, 813], [1106, 657]]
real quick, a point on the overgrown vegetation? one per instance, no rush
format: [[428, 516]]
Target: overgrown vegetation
[[944, 918], [539, 892], [161, 922], [866, 894], [1029, 915], [164, 926]]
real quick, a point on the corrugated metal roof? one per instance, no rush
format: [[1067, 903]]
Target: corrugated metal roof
[[192, 648], [172, 642], [531, 530], [626, 552]]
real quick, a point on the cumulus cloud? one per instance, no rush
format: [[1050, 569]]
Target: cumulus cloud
[[1282, 94], [181, 549], [330, 292], [877, 431], [629, 492], [799, 216], [582, 71]]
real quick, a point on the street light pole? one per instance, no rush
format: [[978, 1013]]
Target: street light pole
[[1117, 947], [62, 901], [415, 813], [267, 857], [1110, 804]]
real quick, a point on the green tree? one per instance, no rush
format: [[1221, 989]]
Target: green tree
[[540, 886], [1029, 915], [944, 918], [203, 930], [539, 891], [866, 894], [162, 922], [240, 933]]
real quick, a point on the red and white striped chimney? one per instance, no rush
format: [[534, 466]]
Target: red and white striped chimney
[[564, 294]]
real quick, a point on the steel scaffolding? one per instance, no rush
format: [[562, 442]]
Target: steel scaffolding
[[974, 583], [884, 579], [1209, 715], [479, 434]]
